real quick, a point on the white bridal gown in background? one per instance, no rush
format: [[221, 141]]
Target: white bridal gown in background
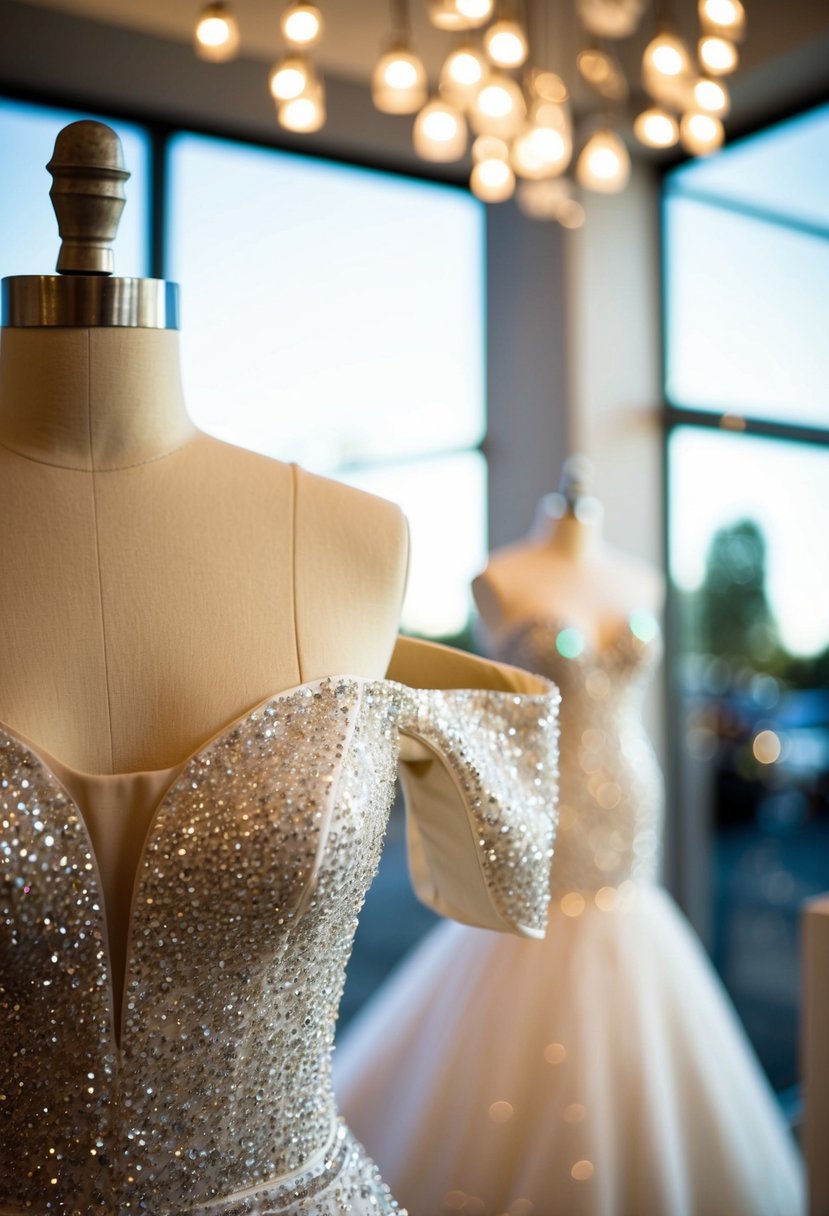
[[602, 1071]]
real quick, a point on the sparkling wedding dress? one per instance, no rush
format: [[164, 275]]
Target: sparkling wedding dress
[[181, 1063], [601, 1072]]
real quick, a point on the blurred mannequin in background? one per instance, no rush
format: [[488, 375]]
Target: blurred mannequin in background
[[601, 1072]]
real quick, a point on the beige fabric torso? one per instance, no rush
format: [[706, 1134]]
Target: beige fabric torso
[[157, 582]]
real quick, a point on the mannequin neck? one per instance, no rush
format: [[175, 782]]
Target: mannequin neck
[[568, 534], [91, 399]]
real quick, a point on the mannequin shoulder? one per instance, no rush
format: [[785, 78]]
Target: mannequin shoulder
[[351, 554], [341, 520], [226, 468], [496, 589], [334, 525]]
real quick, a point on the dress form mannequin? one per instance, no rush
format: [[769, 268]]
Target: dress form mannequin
[[173, 940], [157, 582], [599, 1071], [564, 570]]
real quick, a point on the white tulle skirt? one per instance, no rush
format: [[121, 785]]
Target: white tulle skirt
[[600, 1072]]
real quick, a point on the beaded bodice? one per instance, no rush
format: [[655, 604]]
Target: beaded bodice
[[217, 1083], [611, 788]]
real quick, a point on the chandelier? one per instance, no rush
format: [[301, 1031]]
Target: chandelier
[[498, 100]]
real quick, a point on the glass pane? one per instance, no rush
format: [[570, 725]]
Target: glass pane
[[747, 315], [29, 239], [332, 315], [445, 503], [748, 517], [784, 170]]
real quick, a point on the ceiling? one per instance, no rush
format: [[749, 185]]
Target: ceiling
[[781, 35], [356, 29]]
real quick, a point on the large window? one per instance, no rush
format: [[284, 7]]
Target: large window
[[334, 316], [747, 382]]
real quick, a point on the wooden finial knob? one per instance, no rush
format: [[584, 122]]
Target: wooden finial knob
[[88, 173]]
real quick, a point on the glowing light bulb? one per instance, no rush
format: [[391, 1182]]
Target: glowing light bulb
[[398, 84], [216, 36], [495, 101], [462, 74], [717, 54], [444, 15], [499, 107], [656, 128], [726, 16], [700, 133], [535, 150], [604, 164], [550, 146], [289, 78], [492, 181], [305, 113], [594, 65], [666, 70], [603, 71], [475, 12], [489, 147], [506, 44], [466, 66], [439, 132], [711, 96], [544, 147], [550, 199], [301, 24], [547, 86], [611, 18], [400, 74], [666, 55]]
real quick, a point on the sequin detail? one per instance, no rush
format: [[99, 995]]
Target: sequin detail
[[345, 1172], [503, 751], [611, 794], [256, 864]]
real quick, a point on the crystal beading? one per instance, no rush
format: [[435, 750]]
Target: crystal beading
[[257, 860]]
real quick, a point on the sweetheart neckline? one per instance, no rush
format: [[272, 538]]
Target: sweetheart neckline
[[558, 625], [179, 772], [46, 757]]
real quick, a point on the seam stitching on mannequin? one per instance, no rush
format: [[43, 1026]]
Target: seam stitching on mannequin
[[76, 468], [98, 547], [294, 516]]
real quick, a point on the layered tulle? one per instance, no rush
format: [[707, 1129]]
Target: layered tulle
[[600, 1072]]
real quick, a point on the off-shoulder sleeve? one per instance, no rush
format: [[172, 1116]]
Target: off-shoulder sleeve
[[481, 791]]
